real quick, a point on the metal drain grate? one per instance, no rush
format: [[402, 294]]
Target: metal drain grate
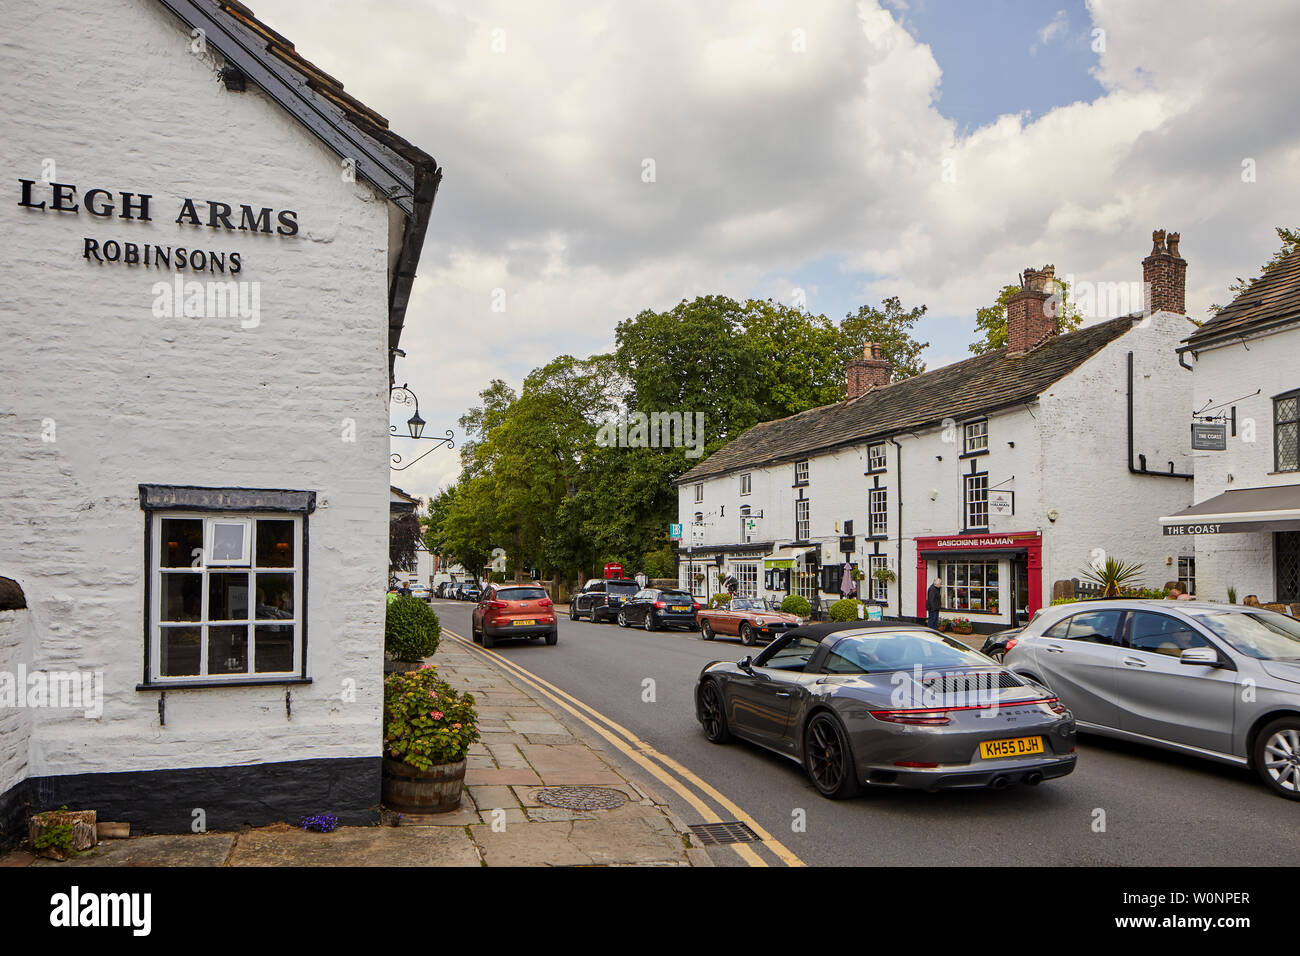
[[712, 834], [582, 798]]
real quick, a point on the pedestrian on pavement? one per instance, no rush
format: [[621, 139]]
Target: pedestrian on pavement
[[933, 600]]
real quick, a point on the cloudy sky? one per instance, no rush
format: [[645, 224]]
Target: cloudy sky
[[606, 156]]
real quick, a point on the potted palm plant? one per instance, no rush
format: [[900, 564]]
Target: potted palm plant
[[428, 730], [1113, 575]]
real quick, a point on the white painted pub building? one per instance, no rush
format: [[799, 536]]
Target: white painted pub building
[[1246, 386], [1000, 474], [208, 248]]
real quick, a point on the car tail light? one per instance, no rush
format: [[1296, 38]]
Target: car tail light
[[498, 605], [695, 605], [546, 602], [660, 604], [1010, 644], [932, 718], [1056, 705], [914, 763]]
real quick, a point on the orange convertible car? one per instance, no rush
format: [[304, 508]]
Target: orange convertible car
[[750, 619]]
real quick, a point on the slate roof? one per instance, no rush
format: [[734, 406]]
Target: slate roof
[[402, 172], [1273, 297], [974, 386]]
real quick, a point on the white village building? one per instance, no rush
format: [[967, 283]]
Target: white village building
[[1246, 396], [1001, 474], [193, 503]]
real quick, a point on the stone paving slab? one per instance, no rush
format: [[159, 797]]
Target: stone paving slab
[[197, 849], [356, 846]]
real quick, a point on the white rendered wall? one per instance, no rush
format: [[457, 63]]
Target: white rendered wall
[[112, 94]]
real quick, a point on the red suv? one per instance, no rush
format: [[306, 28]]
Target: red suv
[[513, 610]]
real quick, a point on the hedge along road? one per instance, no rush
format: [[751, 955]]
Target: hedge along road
[[1124, 805]]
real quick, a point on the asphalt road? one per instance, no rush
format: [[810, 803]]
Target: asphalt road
[[1158, 809]]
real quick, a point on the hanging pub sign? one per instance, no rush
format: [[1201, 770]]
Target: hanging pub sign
[[1208, 436], [848, 543], [1002, 502]]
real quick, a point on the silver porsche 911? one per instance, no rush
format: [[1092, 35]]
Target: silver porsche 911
[[874, 703]]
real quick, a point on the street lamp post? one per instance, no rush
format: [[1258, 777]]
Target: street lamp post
[[403, 395]]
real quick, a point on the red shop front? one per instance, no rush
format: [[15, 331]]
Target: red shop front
[[995, 580]]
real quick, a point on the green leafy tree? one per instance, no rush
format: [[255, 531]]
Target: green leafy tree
[[991, 320], [798, 359], [889, 326]]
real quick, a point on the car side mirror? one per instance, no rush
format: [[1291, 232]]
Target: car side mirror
[[1200, 656], [746, 664]]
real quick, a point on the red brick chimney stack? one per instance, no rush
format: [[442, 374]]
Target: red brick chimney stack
[[1028, 323], [870, 371], [1164, 276]]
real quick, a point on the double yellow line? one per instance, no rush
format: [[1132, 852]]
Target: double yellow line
[[663, 768]]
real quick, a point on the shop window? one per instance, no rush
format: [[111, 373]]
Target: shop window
[[230, 608], [970, 585], [1187, 574], [747, 579], [1286, 432], [805, 584]]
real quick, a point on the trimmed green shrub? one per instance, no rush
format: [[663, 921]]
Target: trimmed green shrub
[[411, 629], [846, 609], [797, 605], [719, 599]]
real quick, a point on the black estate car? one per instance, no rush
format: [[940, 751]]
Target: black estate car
[[600, 599], [653, 608]]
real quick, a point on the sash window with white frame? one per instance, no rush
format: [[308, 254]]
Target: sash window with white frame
[[977, 501], [977, 437], [879, 589], [802, 525], [879, 523], [226, 596]]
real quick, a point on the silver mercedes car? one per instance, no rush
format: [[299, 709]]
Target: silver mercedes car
[[1221, 681], [876, 703]]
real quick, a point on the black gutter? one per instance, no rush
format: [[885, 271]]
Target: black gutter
[[1142, 470], [1223, 338]]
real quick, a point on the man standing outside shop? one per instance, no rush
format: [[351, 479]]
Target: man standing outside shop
[[933, 600]]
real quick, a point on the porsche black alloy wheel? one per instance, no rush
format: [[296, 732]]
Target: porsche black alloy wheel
[[712, 716], [828, 758]]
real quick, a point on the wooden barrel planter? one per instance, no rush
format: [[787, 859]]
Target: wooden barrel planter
[[392, 666], [408, 789]]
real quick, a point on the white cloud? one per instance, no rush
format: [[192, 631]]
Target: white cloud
[[768, 159]]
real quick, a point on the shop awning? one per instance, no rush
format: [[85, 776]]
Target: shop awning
[[788, 557], [1246, 509]]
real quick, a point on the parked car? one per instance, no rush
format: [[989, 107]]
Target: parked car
[[1175, 675], [654, 608], [750, 619], [600, 599], [998, 643], [513, 611], [420, 591], [467, 591], [869, 703]]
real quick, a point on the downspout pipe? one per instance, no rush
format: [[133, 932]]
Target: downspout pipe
[[1142, 468], [899, 457]]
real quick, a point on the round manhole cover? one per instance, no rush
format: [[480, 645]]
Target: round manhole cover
[[582, 798]]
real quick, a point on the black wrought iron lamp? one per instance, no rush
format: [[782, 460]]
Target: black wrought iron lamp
[[402, 395]]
